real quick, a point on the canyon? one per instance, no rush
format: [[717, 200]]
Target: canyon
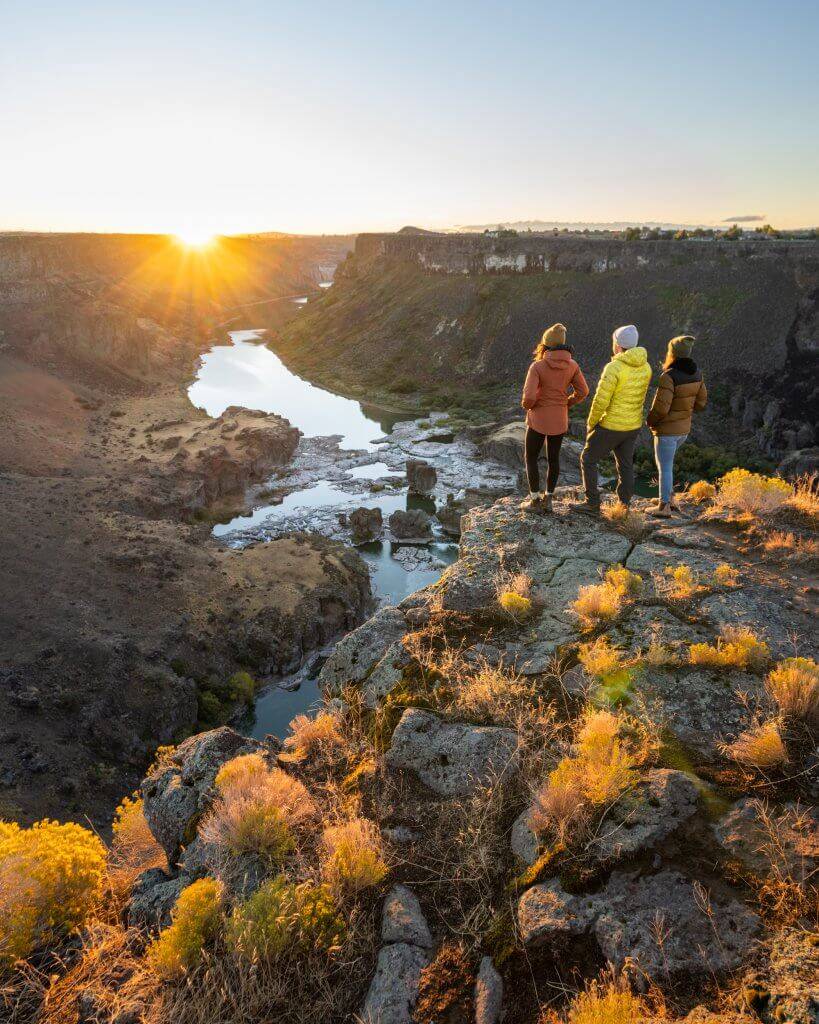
[[451, 319], [577, 755], [118, 607]]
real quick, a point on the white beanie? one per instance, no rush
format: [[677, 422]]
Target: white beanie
[[626, 337]]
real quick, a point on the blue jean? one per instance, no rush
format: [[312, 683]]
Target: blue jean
[[665, 448]]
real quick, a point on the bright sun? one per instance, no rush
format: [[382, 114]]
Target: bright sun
[[195, 238]]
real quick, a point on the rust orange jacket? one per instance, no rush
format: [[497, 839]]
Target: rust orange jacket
[[546, 394]]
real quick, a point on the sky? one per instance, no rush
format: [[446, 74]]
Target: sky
[[340, 117]]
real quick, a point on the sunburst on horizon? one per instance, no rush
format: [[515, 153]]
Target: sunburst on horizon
[[195, 238]]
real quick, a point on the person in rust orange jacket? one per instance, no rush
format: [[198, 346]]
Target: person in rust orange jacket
[[554, 383]]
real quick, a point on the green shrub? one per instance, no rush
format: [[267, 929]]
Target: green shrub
[[51, 877], [195, 922], [211, 711], [281, 916], [242, 686]]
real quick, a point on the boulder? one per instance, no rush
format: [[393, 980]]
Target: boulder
[[488, 993], [785, 988], [505, 445], [421, 476], [698, 713], [646, 815], [355, 656], [179, 789], [153, 897], [394, 989], [667, 926], [402, 919], [412, 524], [663, 925], [523, 840], [802, 462], [805, 435], [781, 842], [549, 916], [451, 758], [386, 675], [365, 523], [762, 609], [449, 516]]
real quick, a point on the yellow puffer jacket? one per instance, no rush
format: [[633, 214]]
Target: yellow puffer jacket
[[621, 392]]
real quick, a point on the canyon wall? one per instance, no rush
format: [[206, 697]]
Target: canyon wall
[[450, 316], [136, 303]]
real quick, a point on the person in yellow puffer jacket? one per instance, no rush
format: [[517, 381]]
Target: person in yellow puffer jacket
[[615, 418]]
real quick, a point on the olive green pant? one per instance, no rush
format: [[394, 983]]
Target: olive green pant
[[601, 442]]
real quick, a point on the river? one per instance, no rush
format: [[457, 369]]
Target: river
[[350, 456]]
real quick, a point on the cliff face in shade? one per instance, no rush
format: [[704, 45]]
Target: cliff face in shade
[[432, 305]]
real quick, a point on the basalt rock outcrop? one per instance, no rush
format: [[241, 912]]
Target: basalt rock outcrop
[[215, 460]]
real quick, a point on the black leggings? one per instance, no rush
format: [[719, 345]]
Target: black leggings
[[533, 446]]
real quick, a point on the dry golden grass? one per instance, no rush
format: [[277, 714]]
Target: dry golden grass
[[738, 647], [624, 581], [52, 878], [751, 493], [519, 583], [781, 543], [597, 733], [256, 814], [314, 732], [560, 801], [195, 921], [608, 1001], [794, 685], [679, 582], [133, 847], [516, 607], [513, 592], [353, 857], [659, 655], [805, 499], [628, 521], [786, 890], [597, 602], [701, 492], [600, 658], [726, 575], [241, 772], [601, 769], [491, 695], [759, 747]]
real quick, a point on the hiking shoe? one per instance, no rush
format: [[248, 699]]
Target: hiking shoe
[[660, 512], [586, 508], [531, 504]]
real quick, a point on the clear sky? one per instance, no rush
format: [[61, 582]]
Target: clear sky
[[345, 116]]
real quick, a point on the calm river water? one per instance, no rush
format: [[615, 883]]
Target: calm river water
[[246, 373]]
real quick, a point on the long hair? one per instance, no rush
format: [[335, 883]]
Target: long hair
[[557, 332]]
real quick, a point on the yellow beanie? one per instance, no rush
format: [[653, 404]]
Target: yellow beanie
[[554, 336]]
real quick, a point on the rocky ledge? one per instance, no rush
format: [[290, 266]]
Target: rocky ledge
[[553, 791]]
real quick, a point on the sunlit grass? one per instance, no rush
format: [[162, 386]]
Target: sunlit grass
[[759, 747]]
